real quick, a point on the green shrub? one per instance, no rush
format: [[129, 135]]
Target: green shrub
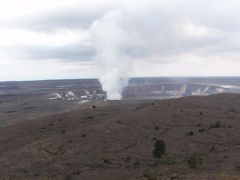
[[170, 160], [201, 130], [137, 164], [190, 133], [159, 148], [217, 124], [194, 160]]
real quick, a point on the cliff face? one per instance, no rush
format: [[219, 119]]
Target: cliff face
[[115, 140]]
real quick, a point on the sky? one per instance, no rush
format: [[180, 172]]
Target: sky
[[53, 39]]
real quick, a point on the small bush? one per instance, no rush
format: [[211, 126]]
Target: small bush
[[63, 131], [149, 174], [190, 133], [136, 164], [90, 117], [93, 106], [232, 110], [107, 161], [119, 122], [159, 148], [170, 160], [156, 128], [202, 130], [128, 159], [212, 148], [215, 125], [194, 160]]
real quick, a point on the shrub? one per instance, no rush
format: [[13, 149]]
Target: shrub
[[149, 174], [106, 161], [63, 131], [159, 148], [215, 125], [90, 117], [170, 160], [136, 164], [190, 133], [128, 159], [201, 130], [194, 160], [232, 110]]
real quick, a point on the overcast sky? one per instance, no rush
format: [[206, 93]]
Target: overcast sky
[[51, 39]]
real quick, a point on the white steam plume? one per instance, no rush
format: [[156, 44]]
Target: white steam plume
[[110, 41]]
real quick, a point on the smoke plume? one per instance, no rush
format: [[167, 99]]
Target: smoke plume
[[110, 41]]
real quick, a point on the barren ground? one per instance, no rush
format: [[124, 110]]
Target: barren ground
[[114, 141]]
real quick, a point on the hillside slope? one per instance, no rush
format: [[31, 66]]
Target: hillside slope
[[115, 141]]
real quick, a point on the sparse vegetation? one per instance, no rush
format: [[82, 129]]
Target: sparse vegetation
[[217, 124], [155, 138], [174, 176], [107, 161], [190, 133], [148, 175], [120, 143], [128, 159], [90, 117], [170, 159], [136, 164], [199, 125], [94, 106], [202, 130], [63, 131], [159, 148], [194, 160], [232, 110], [119, 122], [212, 148]]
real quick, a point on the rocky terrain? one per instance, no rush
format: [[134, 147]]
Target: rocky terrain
[[186, 138]]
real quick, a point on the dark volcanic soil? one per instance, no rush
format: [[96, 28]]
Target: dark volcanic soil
[[115, 141]]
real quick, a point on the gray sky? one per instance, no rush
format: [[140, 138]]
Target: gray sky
[[49, 39]]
